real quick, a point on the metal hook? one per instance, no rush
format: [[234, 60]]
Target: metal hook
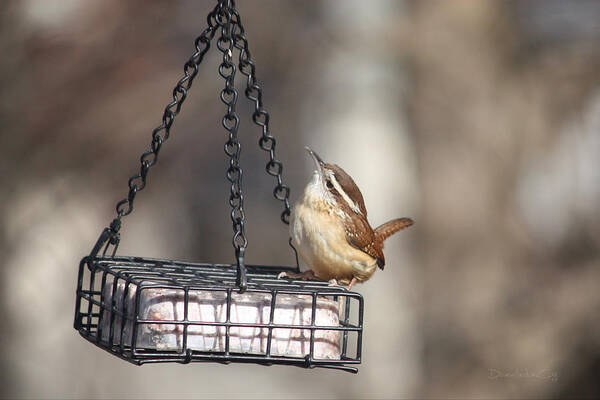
[[242, 280], [296, 254]]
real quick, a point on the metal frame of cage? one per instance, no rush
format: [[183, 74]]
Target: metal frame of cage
[[98, 312]]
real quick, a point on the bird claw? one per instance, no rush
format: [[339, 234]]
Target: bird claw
[[282, 275], [334, 282], [306, 275]]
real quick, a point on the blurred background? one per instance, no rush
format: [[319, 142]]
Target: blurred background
[[480, 120]]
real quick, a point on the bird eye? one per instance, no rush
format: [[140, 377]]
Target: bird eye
[[329, 185]]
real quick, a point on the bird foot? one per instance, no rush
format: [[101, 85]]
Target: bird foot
[[306, 275], [333, 282], [310, 275]]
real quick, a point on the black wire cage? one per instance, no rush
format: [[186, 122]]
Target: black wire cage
[[151, 311]]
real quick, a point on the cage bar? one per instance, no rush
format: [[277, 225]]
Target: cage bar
[[152, 311]]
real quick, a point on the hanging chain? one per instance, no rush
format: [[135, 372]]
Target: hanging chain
[[233, 148], [137, 182], [260, 117], [232, 37]]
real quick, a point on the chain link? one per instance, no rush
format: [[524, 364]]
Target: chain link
[[159, 135], [260, 117], [232, 38], [233, 148], [230, 121]]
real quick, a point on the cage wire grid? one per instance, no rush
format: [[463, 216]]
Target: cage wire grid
[[109, 312]]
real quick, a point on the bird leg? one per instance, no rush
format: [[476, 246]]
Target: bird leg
[[352, 282], [306, 275], [310, 275], [333, 282]]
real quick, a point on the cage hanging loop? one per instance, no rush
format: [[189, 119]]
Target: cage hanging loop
[[241, 280], [110, 236]]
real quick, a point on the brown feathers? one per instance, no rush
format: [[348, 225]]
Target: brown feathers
[[386, 230], [348, 186], [358, 230], [330, 229], [360, 235]]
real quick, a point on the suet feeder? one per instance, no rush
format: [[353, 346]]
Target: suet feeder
[[147, 310]]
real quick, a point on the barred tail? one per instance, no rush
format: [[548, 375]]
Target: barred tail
[[386, 230]]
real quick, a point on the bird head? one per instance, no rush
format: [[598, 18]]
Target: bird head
[[332, 185]]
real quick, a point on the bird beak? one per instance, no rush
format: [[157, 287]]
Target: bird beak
[[318, 161]]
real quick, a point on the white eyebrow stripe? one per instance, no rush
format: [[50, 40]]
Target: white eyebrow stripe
[[346, 198]]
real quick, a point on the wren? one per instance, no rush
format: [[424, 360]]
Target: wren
[[330, 230]]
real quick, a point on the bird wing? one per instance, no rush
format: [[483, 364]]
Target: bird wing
[[360, 235]]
